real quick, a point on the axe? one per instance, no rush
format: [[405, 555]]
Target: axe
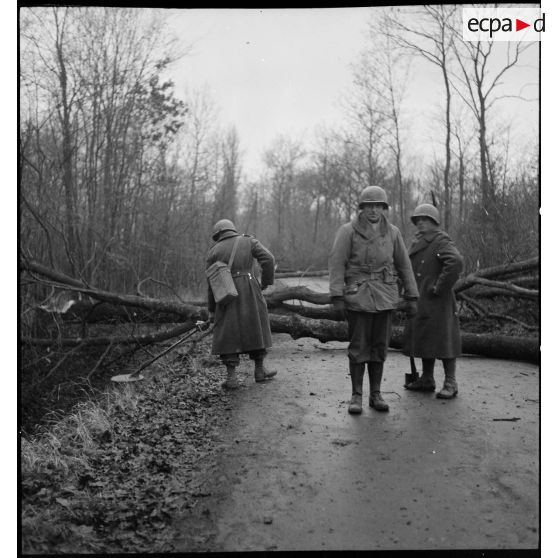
[[414, 375]]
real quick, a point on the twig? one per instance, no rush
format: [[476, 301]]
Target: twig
[[105, 352], [480, 311], [139, 293], [59, 363], [531, 293]]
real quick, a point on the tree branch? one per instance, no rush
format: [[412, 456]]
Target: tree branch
[[126, 300], [122, 340]]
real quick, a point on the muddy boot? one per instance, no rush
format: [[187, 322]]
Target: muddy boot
[[375, 373], [376, 401], [449, 391], [426, 381], [357, 374], [232, 381], [261, 373]]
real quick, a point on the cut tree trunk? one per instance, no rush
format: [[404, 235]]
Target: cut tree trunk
[[495, 346], [324, 328], [275, 297]]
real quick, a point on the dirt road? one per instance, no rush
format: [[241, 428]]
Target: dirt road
[[297, 472]]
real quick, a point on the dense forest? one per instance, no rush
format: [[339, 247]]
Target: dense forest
[[121, 180]]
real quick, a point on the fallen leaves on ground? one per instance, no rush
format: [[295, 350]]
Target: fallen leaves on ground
[[140, 478]]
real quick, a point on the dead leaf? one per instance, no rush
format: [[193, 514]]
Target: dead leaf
[[63, 502]]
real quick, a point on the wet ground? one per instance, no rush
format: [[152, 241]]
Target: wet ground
[[297, 472]]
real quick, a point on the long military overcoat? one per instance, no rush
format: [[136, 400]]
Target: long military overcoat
[[434, 331], [364, 266], [242, 325]]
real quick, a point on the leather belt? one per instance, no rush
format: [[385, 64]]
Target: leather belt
[[241, 273], [381, 274]]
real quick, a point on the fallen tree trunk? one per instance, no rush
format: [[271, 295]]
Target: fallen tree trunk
[[285, 274], [501, 272], [102, 312], [323, 328], [139, 340], [275, 297], [495, 346], [61, 280], [513, 289]]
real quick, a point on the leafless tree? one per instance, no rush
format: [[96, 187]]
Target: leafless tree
[[480, 78], [281, 160], [226, 201], [428, 31]]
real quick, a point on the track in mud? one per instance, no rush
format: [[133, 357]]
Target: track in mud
[[297, 472]]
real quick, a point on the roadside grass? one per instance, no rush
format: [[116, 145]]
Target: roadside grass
[[65, 445], [115, 473]]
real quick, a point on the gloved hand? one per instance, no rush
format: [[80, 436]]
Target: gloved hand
[[410, 308], [203, 326], [339, 308]]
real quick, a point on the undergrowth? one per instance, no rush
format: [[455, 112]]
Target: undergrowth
[[117, 472]]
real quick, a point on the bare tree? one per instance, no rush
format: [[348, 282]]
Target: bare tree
[[367, 118], [226, 200], [430, 34], [387, 74], [462, 143], [98, 112], [480, 78], [281, 160]]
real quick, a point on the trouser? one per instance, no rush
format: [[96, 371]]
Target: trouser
[[369, 335], [233, 359], [449, 367]]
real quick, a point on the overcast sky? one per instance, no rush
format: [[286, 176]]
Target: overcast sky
[[284, 71], [270, 71]]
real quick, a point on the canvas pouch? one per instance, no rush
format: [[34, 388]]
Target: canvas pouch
[[220, 278]]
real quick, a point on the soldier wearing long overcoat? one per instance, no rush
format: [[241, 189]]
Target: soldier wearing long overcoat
[[434, 332], [242, 325]]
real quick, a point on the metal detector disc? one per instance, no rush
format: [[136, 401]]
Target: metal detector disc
[[125, 378]]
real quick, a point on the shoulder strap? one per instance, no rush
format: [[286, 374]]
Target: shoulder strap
[[235, 246]]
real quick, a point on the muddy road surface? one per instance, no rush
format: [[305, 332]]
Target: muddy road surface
[[297, 472]]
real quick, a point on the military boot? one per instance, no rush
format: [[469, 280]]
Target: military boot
[[375, 373], [232, 381], [261, 373], [426, 381], [449, 390], [357, 375]]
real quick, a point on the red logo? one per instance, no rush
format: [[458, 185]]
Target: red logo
[[519, 25]]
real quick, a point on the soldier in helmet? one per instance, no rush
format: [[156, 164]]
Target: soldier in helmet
[[242, 325], [367, 256], [434, 332]]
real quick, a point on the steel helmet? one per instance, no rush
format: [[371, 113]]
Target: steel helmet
[[426, 210], [373, 194], [220, 226]]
